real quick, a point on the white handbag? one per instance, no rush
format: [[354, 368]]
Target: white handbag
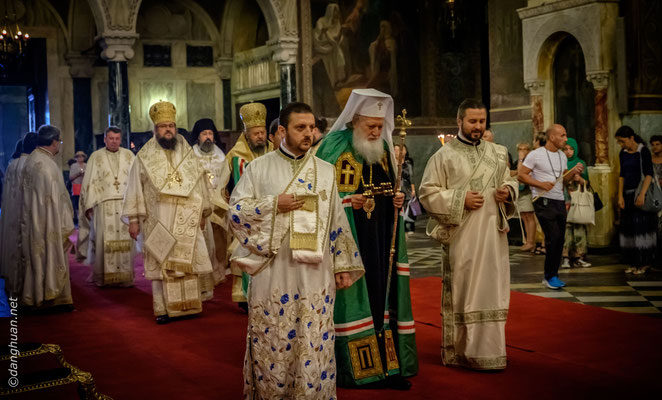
[[582, 207]]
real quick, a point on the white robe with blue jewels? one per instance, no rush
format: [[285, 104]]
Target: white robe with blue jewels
[[292, 258]]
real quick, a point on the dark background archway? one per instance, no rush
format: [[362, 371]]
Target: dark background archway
[[574, 96], [23, 97]]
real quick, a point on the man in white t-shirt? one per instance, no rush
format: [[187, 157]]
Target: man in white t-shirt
[[543, 170]]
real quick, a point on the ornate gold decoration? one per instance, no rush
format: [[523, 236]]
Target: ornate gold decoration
[[365, 358], [391, 354], [87, 386], [163, 111], [253, 114], [348, 171]]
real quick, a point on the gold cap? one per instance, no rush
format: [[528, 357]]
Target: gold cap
[[163, 111], [253, 114]]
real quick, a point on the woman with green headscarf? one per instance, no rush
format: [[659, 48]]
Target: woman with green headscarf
[[576, 235]]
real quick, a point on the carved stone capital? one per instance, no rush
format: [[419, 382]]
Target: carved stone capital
[[224, 67], [80, 65], [117, 46], [535, 87], [599, 79], [285, 50]]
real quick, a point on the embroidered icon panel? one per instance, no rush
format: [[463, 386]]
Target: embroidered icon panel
[[348, 172]]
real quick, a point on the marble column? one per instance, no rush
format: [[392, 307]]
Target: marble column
[[81, 70], [604, 180], [306, 34], [600, 81], [224, 70], [117, 51], [288, 81], [285, 54], [536, 89]]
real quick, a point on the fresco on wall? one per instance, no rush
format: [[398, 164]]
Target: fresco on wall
[[361, 44]]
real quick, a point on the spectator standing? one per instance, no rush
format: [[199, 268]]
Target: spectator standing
[[575, 246], [638, 229], [544, 170], [656, 146], [407, 185], [76, 174], [524, 203]]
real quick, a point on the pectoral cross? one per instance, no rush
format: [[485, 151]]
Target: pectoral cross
[[174, 177], [117, 185]]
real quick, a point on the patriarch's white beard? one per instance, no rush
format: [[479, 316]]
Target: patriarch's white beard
[[371, 150]]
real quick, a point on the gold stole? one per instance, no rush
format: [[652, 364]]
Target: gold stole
[[307, 226], [116, 245]]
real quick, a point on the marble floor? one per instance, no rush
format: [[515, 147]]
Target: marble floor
[[604, 284]]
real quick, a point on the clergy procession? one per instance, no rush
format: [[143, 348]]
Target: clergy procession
[[330, 199], [313, 240]]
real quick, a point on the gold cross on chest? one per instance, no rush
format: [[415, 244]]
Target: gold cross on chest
[[348, 173], [117, 185], [174, 177]]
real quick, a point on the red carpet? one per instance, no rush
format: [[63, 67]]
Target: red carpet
[[555, 348]]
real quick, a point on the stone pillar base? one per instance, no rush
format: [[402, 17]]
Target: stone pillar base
[[605, 183]]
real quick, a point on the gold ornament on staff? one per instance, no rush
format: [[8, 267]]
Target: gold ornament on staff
[[404, 123]]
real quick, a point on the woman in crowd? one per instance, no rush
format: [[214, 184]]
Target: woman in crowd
[[575, 246], [656, 146], [76, 173], [407, 185], [638, 228], [525, 205]]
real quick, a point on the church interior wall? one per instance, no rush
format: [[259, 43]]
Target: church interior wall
[[510, 104]]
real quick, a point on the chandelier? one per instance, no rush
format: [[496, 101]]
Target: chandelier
[[13, 41]]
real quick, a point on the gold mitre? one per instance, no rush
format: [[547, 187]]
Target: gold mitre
[[253, 114], [163, 111]]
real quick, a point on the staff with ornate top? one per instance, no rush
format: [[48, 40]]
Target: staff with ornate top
[[404, 124]]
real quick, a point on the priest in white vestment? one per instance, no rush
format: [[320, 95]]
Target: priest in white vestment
[[296, 243], [468, 190], [47, 221], [12, 265], [217, 175], [166, 198], [110, 249]]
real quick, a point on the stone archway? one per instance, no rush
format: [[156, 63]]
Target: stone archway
[[544, 27]]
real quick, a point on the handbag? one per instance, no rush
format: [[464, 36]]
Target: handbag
[[582, 207], [414, 207], [597, 202], [653, 196]]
